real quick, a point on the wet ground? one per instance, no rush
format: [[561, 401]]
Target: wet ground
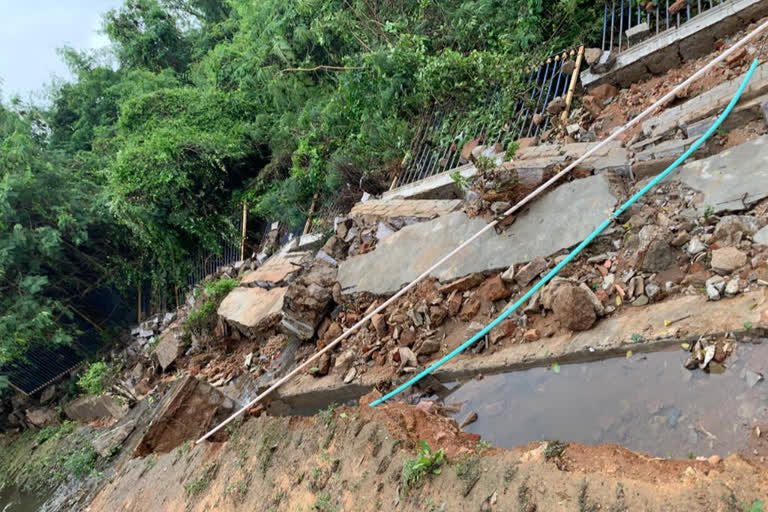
[[646, 402]]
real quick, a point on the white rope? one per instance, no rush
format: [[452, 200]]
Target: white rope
[[490, 226]]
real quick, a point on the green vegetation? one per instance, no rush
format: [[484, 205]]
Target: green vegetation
[[323, 503], [202, 317], [468, 472], [425, 463], [94, 381], [201, 482], [554, 449], [125, 173]]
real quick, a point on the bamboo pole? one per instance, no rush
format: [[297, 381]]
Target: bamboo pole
[[244, 229], [572, 86], [139, 309]]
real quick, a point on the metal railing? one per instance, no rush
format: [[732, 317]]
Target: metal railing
[[624, 15], [430, 156]]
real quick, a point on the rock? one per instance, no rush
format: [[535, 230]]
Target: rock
[[462, 284], [170, 347], [573, 129], [107, 443], [407, 357], [322, 366], [529, 272], [556, 106], [468, 419], [168, 318], [695, 246], [344, 361], [502, 330], [248, 360], [605, 62], [593, 299], [761, 237], [326, 258], [652, 290], [732, 288], [592, 55], [307, 300], [537, 119], [642, 300], [731, 228], [691, 363], [659, 257], [454, 303], [714, 460], [677, 6], [680, 239], [594, 107], [728, 259], [609, 281], [379, 323], [48, 394], [350, 376], [251, 310], [531, 335], [42, 417], [469, 309], [383, 230], [429, 347], [604, 92], [509, 275], [752, 378], [636, 286], [573, 308], [715, 286], [493, 289]]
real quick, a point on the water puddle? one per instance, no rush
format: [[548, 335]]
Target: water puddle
[[647, 402]]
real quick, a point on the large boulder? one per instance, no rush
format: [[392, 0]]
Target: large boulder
[[169, 348], [659, 257], [251, 310], [42, 417], [90, 408]]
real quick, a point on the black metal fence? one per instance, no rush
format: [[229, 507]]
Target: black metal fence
[[429, 155], [629, 22]]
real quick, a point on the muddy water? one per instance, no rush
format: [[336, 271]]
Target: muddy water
[[13, 500], [646, 402]]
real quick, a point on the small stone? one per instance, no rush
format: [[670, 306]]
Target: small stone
[[463, 284], [556, 106], [429, 347], [248, 360], [605, 62], [608, 282], [732, 288], [659, 257], [680, 239], [695, 246], [350, 376], [379, 323], [531, 335], [529, 272], [728, 259], [604, 92], [592, 55], [714, 460], [509, 275], [691, 363], [469, 309], [640, 301], [573, 129], [500, 207], [493, 289], [454, 303]]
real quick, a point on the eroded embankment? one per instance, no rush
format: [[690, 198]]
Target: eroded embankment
[[352, 459]]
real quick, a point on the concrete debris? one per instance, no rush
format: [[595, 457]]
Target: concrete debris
[[727, 260]]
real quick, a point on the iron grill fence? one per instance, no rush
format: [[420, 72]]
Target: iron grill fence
[[622, 16], [431, 154]]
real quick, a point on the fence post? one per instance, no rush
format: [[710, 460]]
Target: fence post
[[139, 310], [244, 231], [572, 87]]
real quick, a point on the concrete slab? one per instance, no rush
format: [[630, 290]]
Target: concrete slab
[[253, 309], [708, 103], [731, 180], [691, 40], [558, 220]]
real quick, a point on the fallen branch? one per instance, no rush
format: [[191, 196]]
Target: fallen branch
[[326, 68]]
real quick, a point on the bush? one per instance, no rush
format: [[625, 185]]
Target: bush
[[94, 380], [219, 289]]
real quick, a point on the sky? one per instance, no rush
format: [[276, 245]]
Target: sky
[[32, 30]]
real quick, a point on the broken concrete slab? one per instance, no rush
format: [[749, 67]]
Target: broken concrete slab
[[90, 408], [729, 181], [184, 414], [558, 220], [709, 104], [665, 51], [274, 271], [761, 237], [253, 309], [419, 208]]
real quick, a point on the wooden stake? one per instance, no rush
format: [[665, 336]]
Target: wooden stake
[[244, 232], [572, 87], [308, 224]]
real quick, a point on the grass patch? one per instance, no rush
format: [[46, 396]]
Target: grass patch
[[323, 503], [426, 463], [94, 381], [202, 481], [267, 447], [554, 449], [220, 288], [468, 473]]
